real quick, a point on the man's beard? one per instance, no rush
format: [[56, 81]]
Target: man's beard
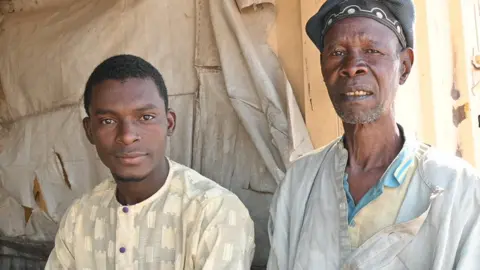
[[132, 179], [367, 117]]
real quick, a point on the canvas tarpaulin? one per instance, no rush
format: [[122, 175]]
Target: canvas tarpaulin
[[237, 119]]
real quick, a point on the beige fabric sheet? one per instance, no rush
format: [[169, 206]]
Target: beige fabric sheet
[[238, 121], [12, 222]]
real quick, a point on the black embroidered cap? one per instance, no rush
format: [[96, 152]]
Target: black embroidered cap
[[398, 15]]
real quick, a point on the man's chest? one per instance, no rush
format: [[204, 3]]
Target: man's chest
[[123, 239], [360, 182], [328, 234]]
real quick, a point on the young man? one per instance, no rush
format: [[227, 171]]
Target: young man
[[374, 198], [153, 213]]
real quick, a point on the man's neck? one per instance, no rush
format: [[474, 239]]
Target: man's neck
[[130, 193], [373, 146]]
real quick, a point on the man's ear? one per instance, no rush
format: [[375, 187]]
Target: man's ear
[[88, 129], [407, 57], [172, 121]]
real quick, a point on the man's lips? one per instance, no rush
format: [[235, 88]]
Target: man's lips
[[356, 93], [131, 158]]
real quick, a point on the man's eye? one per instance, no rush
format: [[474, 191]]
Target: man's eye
[[338, 53], [372, 51], [147, 117], [107, 122]]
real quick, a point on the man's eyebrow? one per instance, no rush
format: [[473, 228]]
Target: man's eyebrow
[[333, 44], [329, 46], [149, 106], [103, 111], [146, 107]]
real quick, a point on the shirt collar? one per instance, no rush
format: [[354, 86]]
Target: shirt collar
[[399, 167]]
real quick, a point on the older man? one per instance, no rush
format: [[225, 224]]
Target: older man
[[374, 198]]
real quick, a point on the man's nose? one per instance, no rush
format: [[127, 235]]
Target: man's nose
[[353, 66], [127, 133]]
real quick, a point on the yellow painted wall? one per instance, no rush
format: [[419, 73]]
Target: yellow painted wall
[[439, 88]]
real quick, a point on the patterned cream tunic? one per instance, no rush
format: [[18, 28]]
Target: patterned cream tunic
[[190, 223]]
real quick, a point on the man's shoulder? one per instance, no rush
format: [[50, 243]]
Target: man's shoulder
[[199, 188], [303, 170], [315, 155], [439, 166], [101, 194]]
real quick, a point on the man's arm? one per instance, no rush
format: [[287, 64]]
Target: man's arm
[[278, 230], [61, 256], [226, 236], [468, 255]]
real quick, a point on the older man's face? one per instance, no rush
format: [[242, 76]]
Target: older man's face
[[363, 66]]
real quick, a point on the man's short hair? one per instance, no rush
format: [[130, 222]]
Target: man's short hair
[[123, 67]]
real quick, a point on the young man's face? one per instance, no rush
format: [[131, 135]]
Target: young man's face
[[129, 125]]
